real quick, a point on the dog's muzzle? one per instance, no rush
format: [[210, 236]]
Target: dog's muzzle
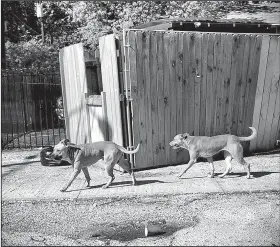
[[174, 145]]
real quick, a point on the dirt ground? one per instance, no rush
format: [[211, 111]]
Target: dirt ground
[[195, 210]]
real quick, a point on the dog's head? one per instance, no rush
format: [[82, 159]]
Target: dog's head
[[60, 149], [178, 141]]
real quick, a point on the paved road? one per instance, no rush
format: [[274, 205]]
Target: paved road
[[196, 210]]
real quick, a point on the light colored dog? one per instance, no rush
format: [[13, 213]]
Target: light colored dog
[[83, 155], [206, 147]]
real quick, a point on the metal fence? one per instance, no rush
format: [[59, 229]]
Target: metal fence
[[28, 104]]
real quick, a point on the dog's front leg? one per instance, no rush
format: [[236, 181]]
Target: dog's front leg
[[189, 165], [210, 160], [74, 174], [86, 173], [109, 171]]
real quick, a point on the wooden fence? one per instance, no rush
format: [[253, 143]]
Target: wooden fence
[[202, 84], [156, 84]]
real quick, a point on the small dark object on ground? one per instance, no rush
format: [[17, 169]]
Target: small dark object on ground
[[47, 160]]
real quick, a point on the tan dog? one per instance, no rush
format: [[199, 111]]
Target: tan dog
[[83, 155], [204, 146]]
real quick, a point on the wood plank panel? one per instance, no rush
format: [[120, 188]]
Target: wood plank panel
[[232, 83], [216, 82], [227, 80], [167, 100], [147, 71], [275, 123], [238, 82], [132, 72], [203, 90], [153, 97], [74, 87], [109, 70], [160, 98], [220, 86], [141, 156], [179, 83], [209, 96], [173, 90], [191, 82], [260, 87], [266, 91], [186, 82], [243, 82], [273, 63], [197, 82], [252, 81]]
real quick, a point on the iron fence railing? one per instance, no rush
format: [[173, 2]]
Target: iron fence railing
[[28, 108]]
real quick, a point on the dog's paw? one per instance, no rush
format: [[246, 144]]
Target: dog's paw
[[221, 176], [210, 175], [105, 186], [62, 190]]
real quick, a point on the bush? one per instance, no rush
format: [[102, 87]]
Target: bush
[[31, 54]]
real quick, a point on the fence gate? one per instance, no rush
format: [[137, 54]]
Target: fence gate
[[74, 90], [111, 87]]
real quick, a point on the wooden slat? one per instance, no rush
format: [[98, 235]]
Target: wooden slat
[[227, 81], [74, 88], [209, 96], [141, 157], [275, 123], [232, 83], [197, 82], [153, 97], [203, 90], [186, 82], [167, 97], [179, 83], [191, 88], [109, 69], [260, 88], [216, 82], [147, 71], [160, 98], [252, 81], [134, 87], [173, 91], [272, 79], [266, 91], [243, 82], [220, 86], [238, 82]]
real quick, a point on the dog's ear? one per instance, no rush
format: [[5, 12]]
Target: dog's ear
[[185, 135], [65, 141]]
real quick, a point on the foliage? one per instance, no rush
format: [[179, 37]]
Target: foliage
[[69, 22], [31, 54], [100, 18]]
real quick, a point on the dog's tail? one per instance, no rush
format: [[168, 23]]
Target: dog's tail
[[251, 137], [130, 152]]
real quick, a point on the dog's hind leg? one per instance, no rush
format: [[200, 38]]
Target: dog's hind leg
[[210, 160], [125, 164], [245, 165], [86, 173], [228, 159]]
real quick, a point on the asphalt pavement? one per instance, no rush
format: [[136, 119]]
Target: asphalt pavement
[[24, 178]]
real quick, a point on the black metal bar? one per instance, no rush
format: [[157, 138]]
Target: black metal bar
[[10, 104], [34, 107], [46, 108], [51, 82]]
